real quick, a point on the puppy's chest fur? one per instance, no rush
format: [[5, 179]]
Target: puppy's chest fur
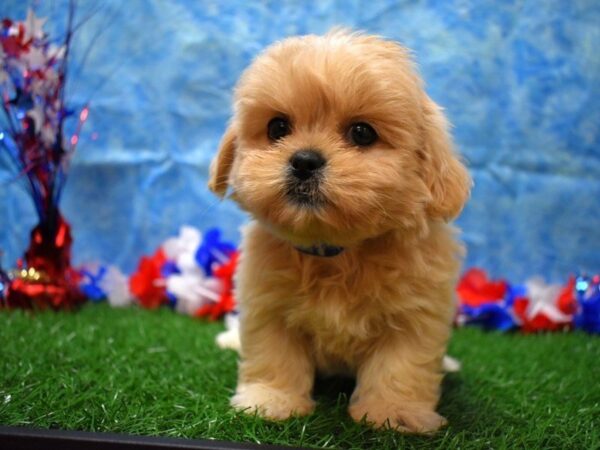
[[343, 305]]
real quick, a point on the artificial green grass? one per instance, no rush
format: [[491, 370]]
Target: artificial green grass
[[159, 373]]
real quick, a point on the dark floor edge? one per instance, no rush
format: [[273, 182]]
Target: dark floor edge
[[22, 438]]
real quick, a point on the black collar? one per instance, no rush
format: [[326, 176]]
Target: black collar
[[321, 250]]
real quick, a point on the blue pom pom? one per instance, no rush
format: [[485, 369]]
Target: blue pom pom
[[90, 287], [212, 250], [491, 316], [588, 296], [169, 268]]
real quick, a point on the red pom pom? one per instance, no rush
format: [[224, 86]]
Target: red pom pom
[[475, 289], [548, 320], [539, 322], [147, 283], [566, 302]]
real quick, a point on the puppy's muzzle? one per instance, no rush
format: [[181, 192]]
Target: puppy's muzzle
[[305, 171]]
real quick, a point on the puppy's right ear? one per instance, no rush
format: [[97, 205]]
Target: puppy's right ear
[[221, 164]]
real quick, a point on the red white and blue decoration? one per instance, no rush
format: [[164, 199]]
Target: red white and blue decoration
[[531, 307], [191, 273], [34, 139]]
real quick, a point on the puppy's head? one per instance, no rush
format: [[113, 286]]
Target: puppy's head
[[334, 140]]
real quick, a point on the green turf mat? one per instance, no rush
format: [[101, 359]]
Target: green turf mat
[[159, 373]]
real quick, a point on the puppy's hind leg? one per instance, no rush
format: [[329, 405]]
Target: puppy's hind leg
[[276, 373]]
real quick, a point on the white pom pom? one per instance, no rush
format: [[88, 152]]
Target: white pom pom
[[187, 242], [543, 299], [116, 286]]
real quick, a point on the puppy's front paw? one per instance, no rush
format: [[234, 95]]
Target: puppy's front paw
[[271, 403], [403, 417]]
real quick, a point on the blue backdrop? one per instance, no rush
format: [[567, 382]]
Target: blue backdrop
[[520, 81]]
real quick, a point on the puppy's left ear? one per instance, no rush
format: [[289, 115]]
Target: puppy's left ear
[[445, 175], [222, 163]]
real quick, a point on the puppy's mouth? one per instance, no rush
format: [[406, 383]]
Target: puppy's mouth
[[305, 193]]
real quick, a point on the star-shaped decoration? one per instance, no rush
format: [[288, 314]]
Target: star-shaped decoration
[[34, 26]]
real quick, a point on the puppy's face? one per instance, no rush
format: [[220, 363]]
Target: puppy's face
[[334, 141]]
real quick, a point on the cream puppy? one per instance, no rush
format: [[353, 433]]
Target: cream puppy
[[349, 266]]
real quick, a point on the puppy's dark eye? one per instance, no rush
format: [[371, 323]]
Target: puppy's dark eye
[[362, 134], [278, 127]]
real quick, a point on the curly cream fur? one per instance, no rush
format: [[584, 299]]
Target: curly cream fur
[[382, 309]]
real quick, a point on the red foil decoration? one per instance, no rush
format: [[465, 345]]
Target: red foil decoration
[[32, 95], [49, 254]]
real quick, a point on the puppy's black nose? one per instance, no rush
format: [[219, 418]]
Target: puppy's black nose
[[305, 163]]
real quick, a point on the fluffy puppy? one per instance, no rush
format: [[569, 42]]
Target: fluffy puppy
[[349, 266]]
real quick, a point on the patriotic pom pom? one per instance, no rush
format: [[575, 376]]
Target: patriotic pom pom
[[89, 284], [180, 251], [533, 307], [540, 310], [186, 281], [226, 303], [476, 289], [147, 284], [588, 297], [115, 285], [484, 302], [100, 283], [213, 251], [191, 272]]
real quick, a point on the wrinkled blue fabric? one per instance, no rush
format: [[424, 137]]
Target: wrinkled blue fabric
[[520, 81]]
